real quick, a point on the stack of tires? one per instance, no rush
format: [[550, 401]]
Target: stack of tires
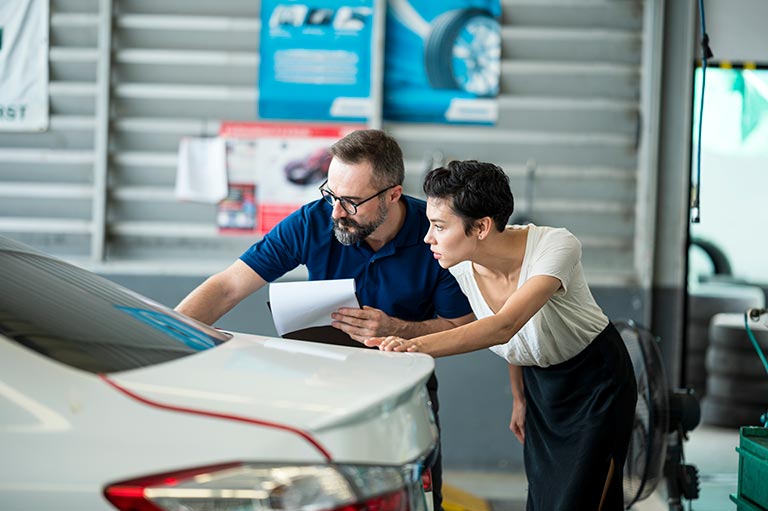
[[737, 380], [704, 301]]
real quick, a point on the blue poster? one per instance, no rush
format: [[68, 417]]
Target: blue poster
[[315, 59], [442, 61]]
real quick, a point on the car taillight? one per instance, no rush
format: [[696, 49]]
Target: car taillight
[[255, 486], [426, 480], [426, 484]]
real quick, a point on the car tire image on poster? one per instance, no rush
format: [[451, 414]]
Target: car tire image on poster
[[462, 52]]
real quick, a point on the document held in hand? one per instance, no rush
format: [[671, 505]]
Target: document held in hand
[[302, 310]]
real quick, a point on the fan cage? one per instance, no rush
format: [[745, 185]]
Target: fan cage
[[644, 465]]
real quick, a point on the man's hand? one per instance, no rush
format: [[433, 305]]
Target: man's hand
[[360, 324]]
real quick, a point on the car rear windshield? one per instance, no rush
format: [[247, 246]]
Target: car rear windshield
[[85, 321]]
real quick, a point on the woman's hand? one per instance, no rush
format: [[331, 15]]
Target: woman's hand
[[393, 343], [517, 423]]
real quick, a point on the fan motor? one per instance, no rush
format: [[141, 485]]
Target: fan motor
[[684, 410]]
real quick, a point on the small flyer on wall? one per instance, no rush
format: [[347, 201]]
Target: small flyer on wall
[[315, 59], [442, 61], [236, 214], [273, 169], [24, 65]]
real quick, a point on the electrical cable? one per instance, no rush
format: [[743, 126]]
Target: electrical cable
[[755, 314], [706, 53]]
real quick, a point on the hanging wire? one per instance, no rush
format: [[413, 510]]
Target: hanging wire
[[754, 314], [706, 53]]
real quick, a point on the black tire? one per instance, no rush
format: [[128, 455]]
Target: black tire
[[718, 412], [738, 390], [707, 299], [739, 364], [438, 47], [704, 304], [728, 331], [719, 260]]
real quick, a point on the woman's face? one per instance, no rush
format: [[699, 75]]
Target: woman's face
[[446, 237]]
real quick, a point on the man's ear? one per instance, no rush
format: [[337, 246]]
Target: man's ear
[[394, 194]]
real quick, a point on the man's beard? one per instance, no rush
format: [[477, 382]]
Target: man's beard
[[362, 231]]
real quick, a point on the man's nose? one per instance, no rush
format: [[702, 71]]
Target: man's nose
[[337, 211]]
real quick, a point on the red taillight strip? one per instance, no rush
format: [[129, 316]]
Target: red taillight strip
[[306, 436]]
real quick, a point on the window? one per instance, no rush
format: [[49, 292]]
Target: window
[[734, 159], [85, 321]]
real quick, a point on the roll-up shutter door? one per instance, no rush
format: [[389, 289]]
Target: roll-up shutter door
[[129, 78]]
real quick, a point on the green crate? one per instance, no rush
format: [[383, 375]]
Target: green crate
[[744, 505], [752, 493]]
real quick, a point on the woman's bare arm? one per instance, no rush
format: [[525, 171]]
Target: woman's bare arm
[[483, 333]]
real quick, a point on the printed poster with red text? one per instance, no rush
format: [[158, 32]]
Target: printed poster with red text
[[273, 169]]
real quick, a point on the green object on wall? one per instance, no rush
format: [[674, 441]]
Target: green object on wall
[[754, 102]]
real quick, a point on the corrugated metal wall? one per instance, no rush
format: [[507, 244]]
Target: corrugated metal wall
[[98, 187]]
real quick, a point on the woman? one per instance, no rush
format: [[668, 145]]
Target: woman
[[571, 376]]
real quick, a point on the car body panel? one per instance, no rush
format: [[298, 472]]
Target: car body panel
[[66, 434], [332, 392]]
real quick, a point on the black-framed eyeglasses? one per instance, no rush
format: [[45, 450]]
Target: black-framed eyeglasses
[[347, 205]]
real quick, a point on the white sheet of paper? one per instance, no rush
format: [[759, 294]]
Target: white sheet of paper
[[299, 305], [201, 174]]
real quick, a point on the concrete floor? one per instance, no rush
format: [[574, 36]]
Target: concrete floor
[[711, 449]]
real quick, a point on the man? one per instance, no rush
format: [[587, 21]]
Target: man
[[364, 228]]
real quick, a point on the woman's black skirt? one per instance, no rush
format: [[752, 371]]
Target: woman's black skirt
[[579, 417]]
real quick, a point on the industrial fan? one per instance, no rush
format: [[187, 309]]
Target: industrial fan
[[663, 417]]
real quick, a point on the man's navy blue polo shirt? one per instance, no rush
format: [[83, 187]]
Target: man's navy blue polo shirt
[[402, 279]]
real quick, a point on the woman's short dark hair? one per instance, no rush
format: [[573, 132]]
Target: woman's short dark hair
[[378, 149], [477, 190]]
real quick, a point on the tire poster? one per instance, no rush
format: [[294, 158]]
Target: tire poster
[[273, 169], [23, 65], [442, 61], [315, 60]]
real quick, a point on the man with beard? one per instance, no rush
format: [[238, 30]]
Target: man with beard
[[362, 227]]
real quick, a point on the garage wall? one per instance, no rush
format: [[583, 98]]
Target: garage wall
[[129, 78], [578, 113]]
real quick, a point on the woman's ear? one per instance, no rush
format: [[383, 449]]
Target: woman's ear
[[483, 226]]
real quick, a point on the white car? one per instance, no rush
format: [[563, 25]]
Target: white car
[[111, 401]]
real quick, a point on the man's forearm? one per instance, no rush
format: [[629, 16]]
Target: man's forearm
[[220, 293], [207, 303]]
